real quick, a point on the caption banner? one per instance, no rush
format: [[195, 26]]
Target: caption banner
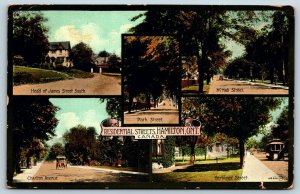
[[150, 132]]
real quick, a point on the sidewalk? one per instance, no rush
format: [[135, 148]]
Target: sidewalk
[[169, 169], [259, 84], [27, 174], [255, 171], [231, 86], [109, 170]]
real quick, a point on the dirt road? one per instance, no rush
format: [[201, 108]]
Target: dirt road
[[237, 87], [279, 167], [163, 114], [98, 85], [48, 173]]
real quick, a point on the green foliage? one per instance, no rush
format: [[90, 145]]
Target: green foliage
[[113, 107], [81, 55], [203, 171], [185, 151], [24, 75], [33, 122], [80, 144], [200, 33], [267, 50], [78, 73], [240, 68], [136, 153], [151, 67], [238, 117], [281, 129], [168, 158], [114, 63], [30, 38], [104, 53], [55, 150]]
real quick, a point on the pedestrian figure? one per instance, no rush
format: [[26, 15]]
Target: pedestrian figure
[[134, 104], [57, 163]]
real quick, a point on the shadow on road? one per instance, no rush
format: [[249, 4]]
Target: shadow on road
[[211, 167]]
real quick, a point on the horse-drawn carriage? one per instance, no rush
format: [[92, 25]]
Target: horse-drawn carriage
[[61, 162]]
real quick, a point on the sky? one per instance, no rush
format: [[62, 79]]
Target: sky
[[101, 30], [275, 114], [89, 112]]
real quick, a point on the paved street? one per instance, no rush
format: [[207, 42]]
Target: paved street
[[47, 172], [256, 171], [243, 87], [98, 85], [163, 114]]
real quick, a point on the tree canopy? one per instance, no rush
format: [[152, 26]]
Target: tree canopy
[[151, 67], [81, 55], [33, 121], [80, 144], [29, 38], [55, 150], [237, 117], [267, 51], [204, 32]]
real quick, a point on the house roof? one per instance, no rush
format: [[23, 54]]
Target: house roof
[[60, 45]]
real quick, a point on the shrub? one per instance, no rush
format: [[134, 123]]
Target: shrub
[[168, 158], [22, 78]]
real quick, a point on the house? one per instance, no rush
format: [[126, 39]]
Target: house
[[217, 150], [108, 63], [59, 54]]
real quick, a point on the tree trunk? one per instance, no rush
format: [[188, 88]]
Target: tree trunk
[[192, 154], [272, 72], [283, 65], [283, 73], [205, 152], [208, 77], [130, 102], [201, 62], [242, 152]]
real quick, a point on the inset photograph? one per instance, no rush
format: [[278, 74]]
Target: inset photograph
[[59, 141], [69, 56], [243, 139], [251, 54], [151, 66]]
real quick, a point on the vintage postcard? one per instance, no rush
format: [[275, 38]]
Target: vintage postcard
[[150, 97]]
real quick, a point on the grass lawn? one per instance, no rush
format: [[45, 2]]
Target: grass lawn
[[205, 87], [195, 88], [25, 75], [191, 88], [79, 74], [226, 170]]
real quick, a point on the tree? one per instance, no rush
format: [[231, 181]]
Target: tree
[[199, 32], [80, 144], [267, 49], [29, 38], [113, 107], [103, 53], [239, 68], [33, 122], [151, 67], [238, 117], [114, 62], [55, 150], [281, 129], [81, 55]]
